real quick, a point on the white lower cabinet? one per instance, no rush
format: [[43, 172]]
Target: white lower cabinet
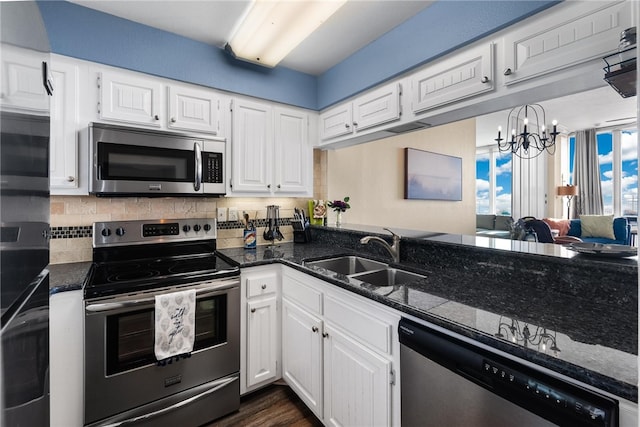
[[260, 327], [340, 353], [302, 354], [357, 388]]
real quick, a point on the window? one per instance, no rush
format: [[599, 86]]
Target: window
[[493, 181], [618, 158]]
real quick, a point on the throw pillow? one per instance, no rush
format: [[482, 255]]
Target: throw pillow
[[597, 226], [485, 221], [562, 225]]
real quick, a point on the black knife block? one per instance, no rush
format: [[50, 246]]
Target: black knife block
[[302, 236]]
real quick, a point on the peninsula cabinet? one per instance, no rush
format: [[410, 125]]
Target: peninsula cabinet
[[139, 100], [260, 322], [338, 352], [462, 76], [270, 150], [584, 32], [375, 108]]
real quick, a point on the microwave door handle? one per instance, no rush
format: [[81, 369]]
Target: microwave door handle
[[198, 153]]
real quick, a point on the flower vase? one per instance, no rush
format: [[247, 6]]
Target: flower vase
[[338, 218]]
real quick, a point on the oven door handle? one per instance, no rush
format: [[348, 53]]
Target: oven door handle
[[106, 306], [198, 154], [217, 385]]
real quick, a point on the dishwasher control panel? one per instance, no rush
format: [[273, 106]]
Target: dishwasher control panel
[[548, 395]]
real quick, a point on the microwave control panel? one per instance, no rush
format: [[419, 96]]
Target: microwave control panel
[[212, 172]]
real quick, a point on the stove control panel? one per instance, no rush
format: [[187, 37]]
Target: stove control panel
[[116, 233]]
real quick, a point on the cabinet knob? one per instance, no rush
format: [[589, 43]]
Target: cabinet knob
[[485, 79], [507, 72], [173, 119], [278, 185], [355, 124], [347, 125], [253, 310], [71, 178], [268, 185], [314, 329], [156, 117], [325, 335], [264, 286]]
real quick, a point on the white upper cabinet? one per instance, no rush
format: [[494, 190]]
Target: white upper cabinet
[[63, 158], [270, 150], [252, 147], [589, 30], [293, 159], [22, 86], [194, 109], [375, 108], [453, 79], [130, 99]]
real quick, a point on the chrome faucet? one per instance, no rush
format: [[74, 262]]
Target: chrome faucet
[[393, 249]]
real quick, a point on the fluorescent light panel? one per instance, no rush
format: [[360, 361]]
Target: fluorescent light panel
[[271, 29]]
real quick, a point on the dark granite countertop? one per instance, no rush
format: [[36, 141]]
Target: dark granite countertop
[[67, 277], [596, 334]]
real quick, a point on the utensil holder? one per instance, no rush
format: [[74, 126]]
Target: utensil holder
[[302, 236]]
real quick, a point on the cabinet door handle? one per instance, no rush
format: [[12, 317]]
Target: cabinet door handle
[[268, 185], [355, 124], [325, 335], [71, 178], [278, 186], [253, 310], [264, 286], [156, 117], [314, 328], [173, 119], [507, 72], [485, 79], [347, 125]]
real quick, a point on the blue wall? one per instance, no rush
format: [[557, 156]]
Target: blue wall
[[84, 33]]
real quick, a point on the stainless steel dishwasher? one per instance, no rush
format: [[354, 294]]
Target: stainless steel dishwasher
[[447, 381]]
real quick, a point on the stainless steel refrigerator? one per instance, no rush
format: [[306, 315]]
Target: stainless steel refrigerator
[[24, 218]]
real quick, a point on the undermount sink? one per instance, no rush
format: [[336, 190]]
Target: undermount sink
[[347, 265], [388, 277], [372, 273]]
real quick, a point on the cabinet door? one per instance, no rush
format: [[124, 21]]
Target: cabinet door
[[357, 388], [293, 160], [302, 354], [336, 122], [587, 31], [63, 158], [193, 110], [22, 86], [377, 107], [462, 76], [262, 340], [252, 147], [130, 99]]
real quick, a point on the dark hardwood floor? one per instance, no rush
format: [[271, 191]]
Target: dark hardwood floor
[[275, 405]]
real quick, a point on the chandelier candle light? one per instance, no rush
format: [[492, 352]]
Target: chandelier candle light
[[529, 137]]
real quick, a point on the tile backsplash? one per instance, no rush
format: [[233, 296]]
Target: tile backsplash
[[72, 218]]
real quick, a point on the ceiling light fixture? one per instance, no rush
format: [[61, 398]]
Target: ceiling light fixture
[[529, 137], [271, 29]]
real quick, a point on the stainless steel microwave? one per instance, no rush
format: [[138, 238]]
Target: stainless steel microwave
[[137, 162]]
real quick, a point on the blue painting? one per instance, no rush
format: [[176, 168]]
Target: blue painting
[[432, 176]]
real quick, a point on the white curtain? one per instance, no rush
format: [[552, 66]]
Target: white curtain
[[586, 175]]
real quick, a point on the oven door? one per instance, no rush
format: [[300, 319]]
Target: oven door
[[121, 371]]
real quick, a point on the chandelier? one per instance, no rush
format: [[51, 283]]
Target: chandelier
[[543, 339], [529, 137]]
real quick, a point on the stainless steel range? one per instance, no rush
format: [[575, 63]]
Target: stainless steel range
[[125, 383]]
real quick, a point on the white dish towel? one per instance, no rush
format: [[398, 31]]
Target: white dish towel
[[175, 323]]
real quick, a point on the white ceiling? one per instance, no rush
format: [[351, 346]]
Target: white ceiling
[[597, 108], [356, 24]]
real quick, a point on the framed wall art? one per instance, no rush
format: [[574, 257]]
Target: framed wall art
[[432, 176]]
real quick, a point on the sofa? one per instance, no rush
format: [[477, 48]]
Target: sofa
[[494, 226], [621, 231]]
